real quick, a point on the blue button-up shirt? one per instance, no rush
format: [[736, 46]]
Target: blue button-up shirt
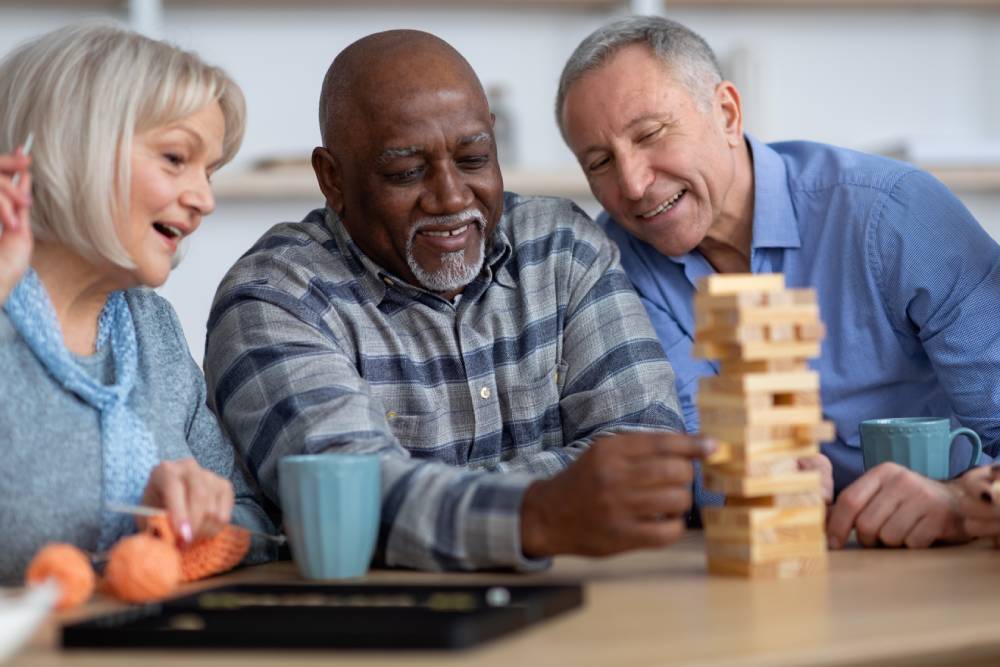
[[908, 285]]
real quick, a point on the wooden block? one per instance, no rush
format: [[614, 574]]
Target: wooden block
[[731, 367], [761, 382], [743, 521], [758, 552], [773, 416], [821, 432], [765, 438], [756, 351], [733, 283], [709, 317], [726, 334], [721, 455], [742, 462], [784, 568], [800, 481], [801, 499], [809, 533]]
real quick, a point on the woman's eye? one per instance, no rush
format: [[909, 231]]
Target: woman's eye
[[650, 135], [174, 159]]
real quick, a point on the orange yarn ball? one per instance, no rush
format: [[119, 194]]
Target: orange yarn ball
[[219, 553], [143, 568], [67, 565]]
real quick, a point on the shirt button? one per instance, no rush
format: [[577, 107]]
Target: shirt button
[[387, 281], [485, 392], [390, 414]]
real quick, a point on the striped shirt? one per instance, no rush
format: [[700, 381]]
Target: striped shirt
[[312, 347]]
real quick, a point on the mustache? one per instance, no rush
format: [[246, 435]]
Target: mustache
[[468, 215]]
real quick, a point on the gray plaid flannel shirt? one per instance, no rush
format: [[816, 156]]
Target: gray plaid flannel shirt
[[314, 348]]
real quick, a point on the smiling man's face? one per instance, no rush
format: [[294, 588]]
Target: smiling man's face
[[413, 169], [660, 164]]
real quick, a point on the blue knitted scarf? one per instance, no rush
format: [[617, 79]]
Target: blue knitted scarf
[[129, 453]]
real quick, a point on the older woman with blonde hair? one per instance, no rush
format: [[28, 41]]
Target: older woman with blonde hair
[[101, 401]]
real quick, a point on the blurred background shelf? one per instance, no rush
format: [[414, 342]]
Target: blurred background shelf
[[299, 182]]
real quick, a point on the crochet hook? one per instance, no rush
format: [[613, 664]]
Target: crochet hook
[[145, 510], [25, 151]]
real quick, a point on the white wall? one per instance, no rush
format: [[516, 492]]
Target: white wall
[[860, 78]]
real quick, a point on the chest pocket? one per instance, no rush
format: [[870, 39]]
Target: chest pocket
[[530, 413], [414, 415]]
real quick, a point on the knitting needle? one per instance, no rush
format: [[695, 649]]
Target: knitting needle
[[26, 151], [144, 510]]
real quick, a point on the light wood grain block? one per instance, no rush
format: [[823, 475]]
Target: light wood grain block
[[734, 367], [794, 313], [751, 463], [759, 552], [813, 498], [761, 383], [762, 438], [743, 521], [800, 481], [785, 568], [756, 351], [745, 334], [733, 283], [770, 416], [806, 533]]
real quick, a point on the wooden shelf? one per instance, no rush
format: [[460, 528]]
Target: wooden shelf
[[299, 182]]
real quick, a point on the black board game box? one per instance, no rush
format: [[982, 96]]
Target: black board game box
[[327, 616]]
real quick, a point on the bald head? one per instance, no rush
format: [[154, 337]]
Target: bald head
[[380, 70]]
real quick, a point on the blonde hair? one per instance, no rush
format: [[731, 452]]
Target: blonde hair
[[85, 91]]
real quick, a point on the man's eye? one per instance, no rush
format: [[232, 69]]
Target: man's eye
[[405, 176], [597, 165], [474, 161], [651, 135]]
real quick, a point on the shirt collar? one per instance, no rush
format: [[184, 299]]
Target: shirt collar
[[375, 280], [774, 222]]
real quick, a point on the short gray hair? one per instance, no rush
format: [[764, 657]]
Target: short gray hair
[[85, 91], [682, 51]]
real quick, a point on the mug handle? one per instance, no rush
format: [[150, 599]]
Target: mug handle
[[977, 444]]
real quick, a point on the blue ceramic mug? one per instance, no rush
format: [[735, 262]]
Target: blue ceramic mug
[[331, 505], [922, 444]]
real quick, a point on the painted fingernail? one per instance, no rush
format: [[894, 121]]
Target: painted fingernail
[[186, 534]]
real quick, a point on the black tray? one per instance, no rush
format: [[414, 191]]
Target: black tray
[[327, 616]]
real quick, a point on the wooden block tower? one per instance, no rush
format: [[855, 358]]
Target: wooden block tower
[[764, 409]]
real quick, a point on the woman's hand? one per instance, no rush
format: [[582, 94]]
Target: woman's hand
[[979, 508], [198, 502], [15, 239]]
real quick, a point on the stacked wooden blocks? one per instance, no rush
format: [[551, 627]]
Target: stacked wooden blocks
[[764, 409]]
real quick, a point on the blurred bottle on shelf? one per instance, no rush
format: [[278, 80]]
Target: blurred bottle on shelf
[[503, 124]]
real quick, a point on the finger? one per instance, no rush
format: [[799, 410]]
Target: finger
[[977, 506], [850, 504], [13, 162], [221, 507], [982, 527], [200, 501], [923, 534], [9, 217], [669, 502], [170, 492], [659, 472], [642, 445], [874, 516], [902, 522]]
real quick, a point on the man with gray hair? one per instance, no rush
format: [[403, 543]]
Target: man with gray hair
[[487, 346], [904, 275]]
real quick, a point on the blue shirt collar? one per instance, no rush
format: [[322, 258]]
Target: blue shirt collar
[[774, 222]]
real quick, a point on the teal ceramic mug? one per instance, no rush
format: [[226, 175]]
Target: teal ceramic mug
[[922, 444], [331, 505]]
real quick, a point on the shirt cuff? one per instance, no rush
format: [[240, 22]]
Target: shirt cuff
[[494, 527]]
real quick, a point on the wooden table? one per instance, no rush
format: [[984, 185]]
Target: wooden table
[[880, 607]]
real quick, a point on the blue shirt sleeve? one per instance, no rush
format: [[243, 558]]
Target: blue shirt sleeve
[[938, 272]]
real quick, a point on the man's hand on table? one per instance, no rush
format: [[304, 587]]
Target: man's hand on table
[[979, 509], [627, 491], [896, 507]]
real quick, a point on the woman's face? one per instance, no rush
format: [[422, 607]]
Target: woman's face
[[171, 168]]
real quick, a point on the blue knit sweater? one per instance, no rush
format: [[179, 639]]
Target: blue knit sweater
[[50, 442]]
